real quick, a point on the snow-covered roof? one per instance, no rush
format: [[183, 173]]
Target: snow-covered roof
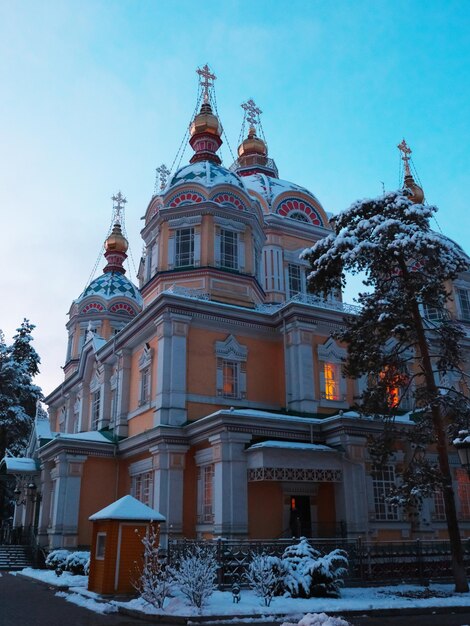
[[270, 188], [205, 173], [20, 466], [92, 435], [292, 445], [128, 508]]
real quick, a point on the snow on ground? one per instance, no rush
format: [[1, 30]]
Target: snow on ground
[[88, 603], [221, 602], [49, 576]]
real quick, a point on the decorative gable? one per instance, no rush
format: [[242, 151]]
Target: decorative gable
[[330, 352], [231, 350]]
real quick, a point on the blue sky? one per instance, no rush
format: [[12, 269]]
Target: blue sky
[[95, 95]]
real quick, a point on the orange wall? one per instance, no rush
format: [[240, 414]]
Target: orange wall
[[265, 510], [141, 422], [92, 499]]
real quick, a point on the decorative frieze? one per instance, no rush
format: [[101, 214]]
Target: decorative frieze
[[295, 474]]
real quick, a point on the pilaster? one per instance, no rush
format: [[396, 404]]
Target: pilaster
[[300, 383]]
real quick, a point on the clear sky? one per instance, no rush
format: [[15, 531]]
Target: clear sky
[[94, 95]]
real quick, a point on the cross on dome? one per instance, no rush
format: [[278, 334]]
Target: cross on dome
[[252, 112], [163, 172], [119, 201], [206, 80], [406, 151]]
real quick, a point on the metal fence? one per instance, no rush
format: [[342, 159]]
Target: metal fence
[[416, 561]]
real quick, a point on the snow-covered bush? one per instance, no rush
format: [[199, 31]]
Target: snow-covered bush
[[195, 574], [309, 574], [318, 619], [155, 579], [77, 562], [265, 575], [57, 558]]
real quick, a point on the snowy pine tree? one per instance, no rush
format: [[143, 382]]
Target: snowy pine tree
[[392, 343], [19, 363]]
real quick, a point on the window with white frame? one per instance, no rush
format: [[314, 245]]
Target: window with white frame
[[229, 249], [463, 490], [145, 385], [95, 409], [69, 347], [296, 277], [433, 314], [206, 494], [100, 546], [383, 480], [464, 303], [333, 385], [142, 487], [231, 368], [184, 255]]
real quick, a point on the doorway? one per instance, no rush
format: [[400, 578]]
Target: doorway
[[300, 518]]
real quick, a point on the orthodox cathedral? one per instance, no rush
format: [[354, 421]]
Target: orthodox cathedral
[[213, 391]]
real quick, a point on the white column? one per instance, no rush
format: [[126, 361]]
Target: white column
[[122, 392], [170, 401], [169, 464], [67, 477], [230, 484], [299, 368], [45, 510]]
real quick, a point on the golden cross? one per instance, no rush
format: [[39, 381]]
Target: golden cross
[[206, 77], [163, 173], [252, 112], [406, 151]]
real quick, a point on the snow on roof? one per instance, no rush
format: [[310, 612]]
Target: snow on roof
[[20, 466], [292, 445], [128, 508], [269, 188], [92, 435]]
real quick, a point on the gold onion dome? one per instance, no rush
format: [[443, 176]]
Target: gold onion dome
[[116, 242], [417, 193], [206, 122], [252, 145]]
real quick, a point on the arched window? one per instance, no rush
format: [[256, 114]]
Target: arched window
[[300, 217]]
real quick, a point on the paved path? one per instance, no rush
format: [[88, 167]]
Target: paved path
[[27, 603], [457, 619]]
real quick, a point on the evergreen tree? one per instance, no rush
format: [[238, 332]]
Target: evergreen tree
[[19, 363], [392, 343]]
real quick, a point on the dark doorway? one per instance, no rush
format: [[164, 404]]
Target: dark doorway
[[300, 520]]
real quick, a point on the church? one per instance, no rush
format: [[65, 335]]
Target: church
[[213, 390]]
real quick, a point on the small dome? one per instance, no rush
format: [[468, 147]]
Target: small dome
[[252, 145], [207, 174], [417, 193], [112, 285], [206, 122], [116, 242]]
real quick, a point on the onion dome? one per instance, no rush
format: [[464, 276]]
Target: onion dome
[[112, 285], [115, 250], [205, 137], [207, 173], [252, 145], [253, 151]]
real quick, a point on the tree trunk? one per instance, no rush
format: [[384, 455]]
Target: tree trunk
[[458, 567]]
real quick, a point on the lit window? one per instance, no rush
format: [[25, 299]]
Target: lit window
[[229, 249], [142, 486], [184, 247], [231, 370], [331, 372], [206, 493], [393, 386], [295, 279], [383, 479], [95, 409], [464, 301], [463, 489], [145, 386]]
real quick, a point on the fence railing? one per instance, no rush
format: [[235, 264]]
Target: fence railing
[[369, 562], [17, 535]]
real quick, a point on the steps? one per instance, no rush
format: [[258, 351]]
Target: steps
[[15, 557]]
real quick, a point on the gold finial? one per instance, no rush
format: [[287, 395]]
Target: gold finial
[[206, 80], [406, 151]]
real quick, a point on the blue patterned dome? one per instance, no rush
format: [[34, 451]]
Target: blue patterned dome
[[207, 174], [112, 285]]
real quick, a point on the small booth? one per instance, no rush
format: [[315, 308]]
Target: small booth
[[117, 550]]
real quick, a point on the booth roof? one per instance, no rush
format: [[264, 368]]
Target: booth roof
[[128, 508]]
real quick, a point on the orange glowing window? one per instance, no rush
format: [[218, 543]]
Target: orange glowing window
[[230, 379], [331, 374], [393, 388]]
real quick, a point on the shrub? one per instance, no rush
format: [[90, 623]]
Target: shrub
[[265, 575], [57, 558], [155, 579], [77, 563], [309, 574], [195, 574]]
